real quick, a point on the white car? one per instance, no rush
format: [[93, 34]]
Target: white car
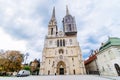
[[23, 73]]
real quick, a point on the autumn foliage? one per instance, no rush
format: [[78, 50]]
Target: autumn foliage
[[11, 61]]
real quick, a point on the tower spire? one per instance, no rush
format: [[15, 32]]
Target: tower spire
[[53, 14], [52, 26], [67, 11]]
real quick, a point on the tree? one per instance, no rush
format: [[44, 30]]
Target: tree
[[26, 68], [12, 61], [35, 65]]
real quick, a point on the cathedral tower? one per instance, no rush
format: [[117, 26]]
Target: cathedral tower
[[69, 24], [52, 27], [61, 53]]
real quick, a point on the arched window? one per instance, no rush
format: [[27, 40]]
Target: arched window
[[117, 68], [60, 42], [49, 61], [51, 31], [48, 72], [72, 59], [66, 20], [53, 64], [63, 42], [57, 43], [70, 28], [61, 51], [74, 71]]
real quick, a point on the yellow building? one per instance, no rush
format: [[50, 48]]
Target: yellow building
[[61, 53]]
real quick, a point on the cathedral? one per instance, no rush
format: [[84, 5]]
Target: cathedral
[[61, 53]]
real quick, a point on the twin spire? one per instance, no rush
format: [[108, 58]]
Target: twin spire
[[53, 14], [67, 11]]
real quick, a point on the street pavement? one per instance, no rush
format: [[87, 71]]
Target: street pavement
[[62, 77]]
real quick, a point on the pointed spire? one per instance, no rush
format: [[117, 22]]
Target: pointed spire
[[53, 14], [67, 11], [53, 19]]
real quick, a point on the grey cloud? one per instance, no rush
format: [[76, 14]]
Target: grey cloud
[[96, 20]]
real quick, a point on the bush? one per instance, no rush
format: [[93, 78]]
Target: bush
[[26, 68]]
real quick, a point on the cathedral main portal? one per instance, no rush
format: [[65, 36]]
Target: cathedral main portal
[[61, 71], [61, 68]]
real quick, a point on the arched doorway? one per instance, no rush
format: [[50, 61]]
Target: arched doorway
[[117, 69], [61, 68]]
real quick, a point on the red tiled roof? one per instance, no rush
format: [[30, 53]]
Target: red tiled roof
[[91, 58]]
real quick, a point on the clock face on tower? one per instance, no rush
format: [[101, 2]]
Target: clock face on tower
[[61, 34]]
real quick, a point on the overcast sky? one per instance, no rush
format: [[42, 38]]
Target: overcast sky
[[23, 23]]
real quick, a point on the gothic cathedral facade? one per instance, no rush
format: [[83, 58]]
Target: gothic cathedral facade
[[61, 53]]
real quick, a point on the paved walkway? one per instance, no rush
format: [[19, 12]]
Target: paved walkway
[[111, 77], [62, 77]]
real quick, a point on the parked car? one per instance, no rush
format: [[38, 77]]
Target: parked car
[[23, 73]]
